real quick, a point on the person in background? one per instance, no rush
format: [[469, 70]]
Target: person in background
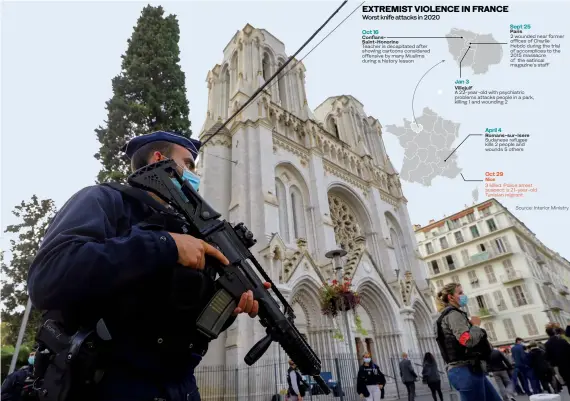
[[13, 386], [522, 370], [511, 371], [296, 390], [540, 366], [430, 376], [558, 354], [408, 376], [371, 381], [499, 366], [560, 332]]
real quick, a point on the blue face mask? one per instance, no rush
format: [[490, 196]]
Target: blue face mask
[[192, 178], [463, 300], [31, 360]]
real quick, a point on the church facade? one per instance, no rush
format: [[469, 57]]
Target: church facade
[[306, 182]]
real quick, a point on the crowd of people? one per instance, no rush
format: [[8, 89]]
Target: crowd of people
[[525, 369]]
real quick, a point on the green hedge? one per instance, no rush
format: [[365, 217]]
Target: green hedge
[[6, 353]]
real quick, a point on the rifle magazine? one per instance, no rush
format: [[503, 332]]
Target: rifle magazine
[[216, 313]]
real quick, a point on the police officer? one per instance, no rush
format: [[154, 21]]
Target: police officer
[[110, 255], [464, 346], [14, 387]]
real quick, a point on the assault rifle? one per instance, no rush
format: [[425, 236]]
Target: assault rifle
[[163, 179]]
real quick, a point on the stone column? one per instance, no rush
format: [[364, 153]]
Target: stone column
[[410, 339], [323, 226]]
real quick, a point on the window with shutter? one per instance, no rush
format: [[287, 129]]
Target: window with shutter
[[507, 244], [465, 256], [509, 328], [443, 243], [474, 232], [499, 300], [490, 329], [491, 225], [519, 295], [507, 264], [499, 245], [473, 279], [434, 267], [471, 217], [450, 262], [521, 244], [458, 237], [472, 307], [527, 294], [488, 301], [530, 325], [490, 272], [513, 297], [455, 279], [540, 293], [429, 248]]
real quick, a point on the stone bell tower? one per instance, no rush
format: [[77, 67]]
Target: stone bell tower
[[237, 165]]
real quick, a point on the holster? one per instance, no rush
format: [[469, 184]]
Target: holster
[[66, 367]]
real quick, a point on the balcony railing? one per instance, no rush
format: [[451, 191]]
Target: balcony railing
[[547, 280], [511, 276], [563, 290], [485, 313], [479, 257]]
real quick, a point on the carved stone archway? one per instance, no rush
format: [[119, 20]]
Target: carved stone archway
[[424, 329], [348, 231]]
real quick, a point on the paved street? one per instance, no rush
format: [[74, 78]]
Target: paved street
[[564, 396]]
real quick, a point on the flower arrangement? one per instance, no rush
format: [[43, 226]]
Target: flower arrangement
[[338, 296]]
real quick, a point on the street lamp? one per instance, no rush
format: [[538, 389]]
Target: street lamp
[[336, 256]]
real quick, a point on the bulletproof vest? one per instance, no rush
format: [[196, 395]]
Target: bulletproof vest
[[160, 311], [450, 348], [291, 391]]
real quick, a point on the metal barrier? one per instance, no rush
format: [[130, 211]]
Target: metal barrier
[[267, 380]]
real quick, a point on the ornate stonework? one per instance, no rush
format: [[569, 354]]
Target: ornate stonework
[[347, 230], [406, 287], [346, 227]]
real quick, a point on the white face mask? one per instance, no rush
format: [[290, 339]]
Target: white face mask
[[367, 360]]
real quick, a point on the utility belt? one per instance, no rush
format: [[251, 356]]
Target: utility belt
[[68, 367], [166, 344], [29, 393]]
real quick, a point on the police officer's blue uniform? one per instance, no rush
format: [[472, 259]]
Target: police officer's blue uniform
[[103, 256], [14, 384]]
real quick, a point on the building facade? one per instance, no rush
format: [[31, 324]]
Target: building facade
[[306, 182], [514, 282]]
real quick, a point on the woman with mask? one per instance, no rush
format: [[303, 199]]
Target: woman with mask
[[464, 346], [371, 381]]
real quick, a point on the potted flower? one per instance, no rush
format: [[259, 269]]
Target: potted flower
[[338, 297]]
